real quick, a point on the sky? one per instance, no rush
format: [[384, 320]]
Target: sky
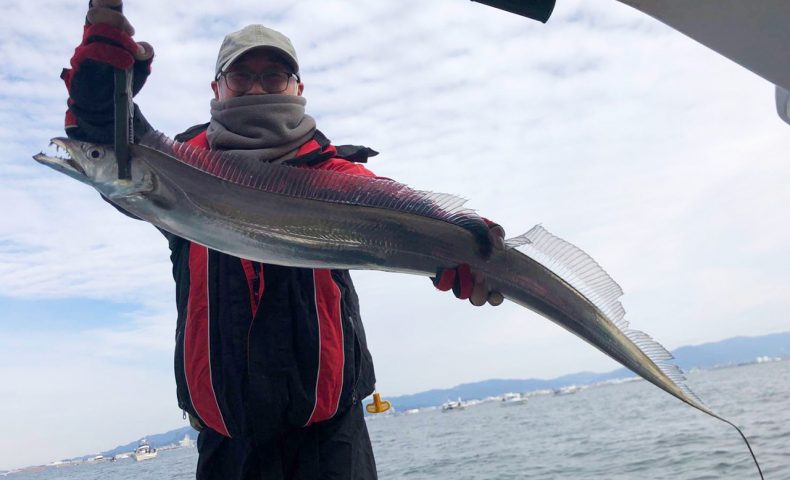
[[663, 160]]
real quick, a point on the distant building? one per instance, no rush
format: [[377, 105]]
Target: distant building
[[186, 441]]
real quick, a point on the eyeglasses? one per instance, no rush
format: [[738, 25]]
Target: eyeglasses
[[272, 82]]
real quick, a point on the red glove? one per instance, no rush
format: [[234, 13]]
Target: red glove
[[107, 39], [460, 279], [107, 44], [467, 284]]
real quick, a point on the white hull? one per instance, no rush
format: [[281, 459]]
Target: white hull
[[144, 456], [452, 409], [450, 406]]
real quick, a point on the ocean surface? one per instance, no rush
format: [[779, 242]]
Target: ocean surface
[[622, 431]]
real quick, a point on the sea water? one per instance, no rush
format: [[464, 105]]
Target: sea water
[[622, 431]]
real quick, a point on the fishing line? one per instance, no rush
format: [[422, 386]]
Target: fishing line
[[746, 441]]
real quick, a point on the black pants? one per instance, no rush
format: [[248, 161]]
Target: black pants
[[336, 449]]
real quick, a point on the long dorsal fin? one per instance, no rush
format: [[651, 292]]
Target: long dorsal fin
[[325, 185], [584, 274]]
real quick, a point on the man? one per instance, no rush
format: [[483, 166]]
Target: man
[[271, 362]]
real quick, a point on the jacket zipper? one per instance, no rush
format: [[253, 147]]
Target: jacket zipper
[[358, 369]]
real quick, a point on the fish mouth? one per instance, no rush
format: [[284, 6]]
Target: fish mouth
[[61, 159]]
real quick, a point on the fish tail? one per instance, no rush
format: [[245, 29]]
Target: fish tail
[[584, 274], [578, 269]]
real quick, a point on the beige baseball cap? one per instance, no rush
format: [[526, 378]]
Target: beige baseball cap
[[238, 43]]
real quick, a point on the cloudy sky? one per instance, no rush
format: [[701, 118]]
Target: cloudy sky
[[664, 161]]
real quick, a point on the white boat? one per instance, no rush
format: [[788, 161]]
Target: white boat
[[144, 451], [450, 405], [569, 390], [511, 399]]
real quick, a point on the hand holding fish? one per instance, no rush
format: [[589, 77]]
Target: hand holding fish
[[109, 13], [107, 45], [467, 283]]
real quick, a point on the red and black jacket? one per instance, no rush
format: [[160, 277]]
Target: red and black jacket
[[259, 348], [264, 346]]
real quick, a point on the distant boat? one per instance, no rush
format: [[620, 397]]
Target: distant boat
[[97, 458], [569, 390], [144, 451], [511, 399], [450, 405], [767, 359]]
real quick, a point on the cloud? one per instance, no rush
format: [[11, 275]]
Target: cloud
[[663, 160]]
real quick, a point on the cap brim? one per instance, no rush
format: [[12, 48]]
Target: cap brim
[[279, 51]]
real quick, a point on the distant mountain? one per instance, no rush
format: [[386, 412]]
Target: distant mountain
[[732, 351]]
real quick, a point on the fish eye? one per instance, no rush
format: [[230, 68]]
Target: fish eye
[[95, 152]]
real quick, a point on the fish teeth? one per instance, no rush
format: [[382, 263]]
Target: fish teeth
[[58, 149]]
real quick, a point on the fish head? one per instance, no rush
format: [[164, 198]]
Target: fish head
[[95, 165]]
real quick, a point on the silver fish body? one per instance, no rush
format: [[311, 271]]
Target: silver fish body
[[226, 205], [291, 230], [320, 219]]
